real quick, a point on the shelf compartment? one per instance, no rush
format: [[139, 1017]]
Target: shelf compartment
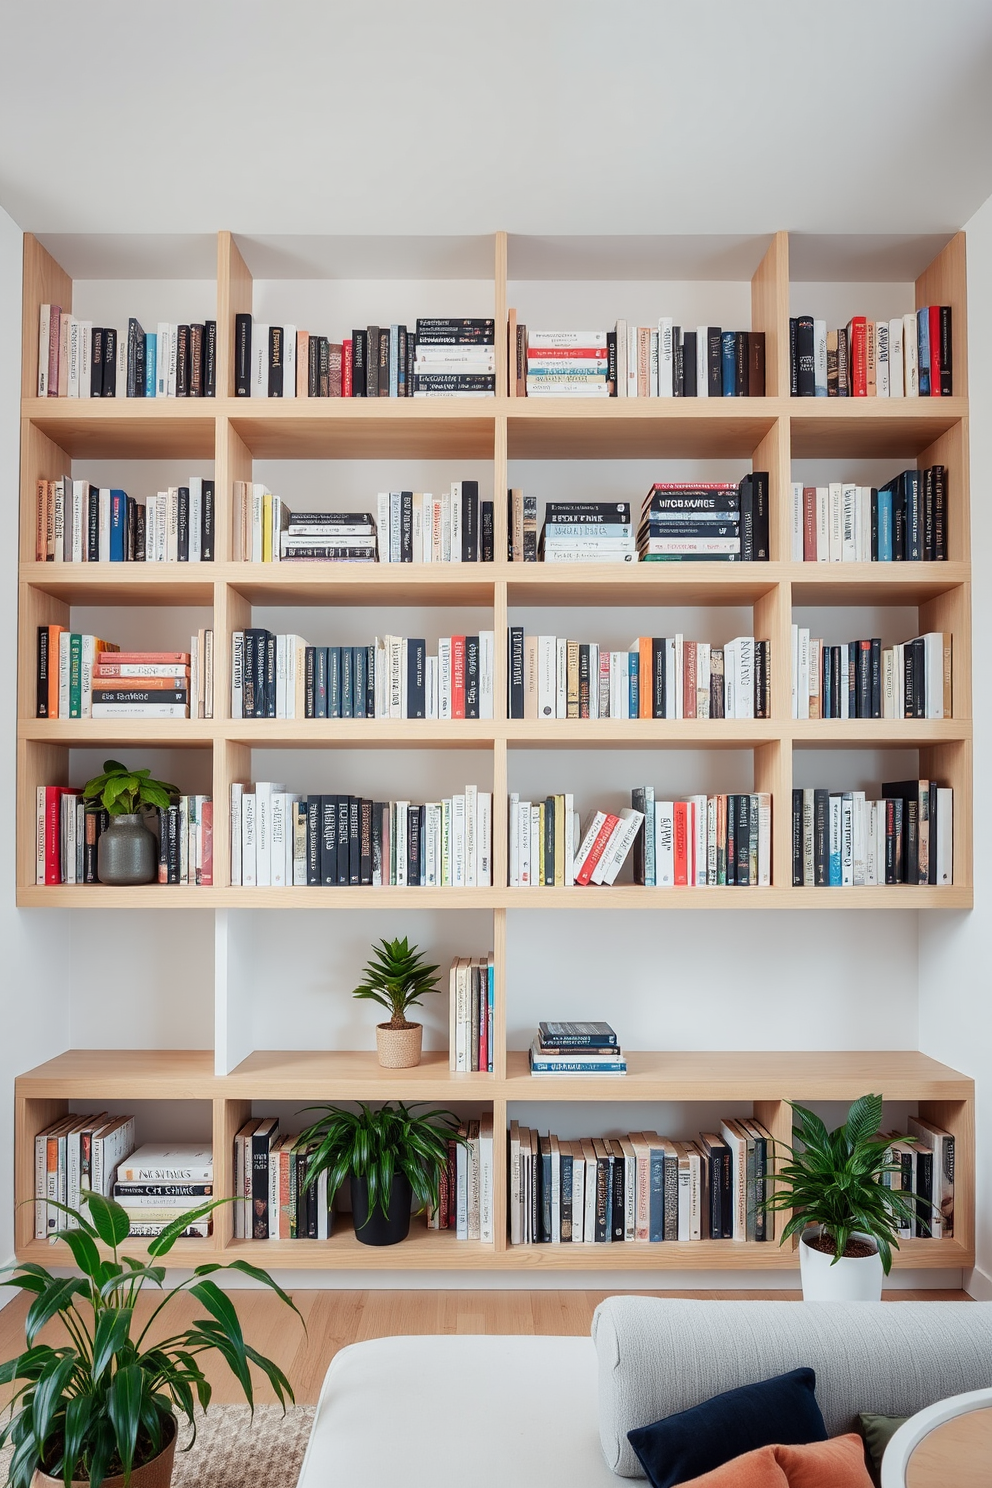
[[351, 1074], [878, 733], [185, 1253], [423, 1250], [642, 583], [870, 427], [123, 583], [91, 733], [362, 733], [646, 733], [630, 896], [300, 584], [873, 583], [637, 428], [708, 1255], [127, 428], [363, 429]]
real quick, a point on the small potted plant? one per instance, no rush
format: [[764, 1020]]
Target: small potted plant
[[392, 1157], [397, 979], [127, 852], [846, 1217], [101, 1407]]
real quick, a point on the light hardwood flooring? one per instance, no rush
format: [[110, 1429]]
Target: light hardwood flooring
[[336, 1318]]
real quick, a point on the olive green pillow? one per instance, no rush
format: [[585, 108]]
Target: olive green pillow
[[878, 1431]]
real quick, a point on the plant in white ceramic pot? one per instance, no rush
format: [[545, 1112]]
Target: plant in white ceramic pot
[[397, 979], [846, 1217]]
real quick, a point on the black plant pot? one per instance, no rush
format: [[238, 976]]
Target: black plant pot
[[378, 1228]]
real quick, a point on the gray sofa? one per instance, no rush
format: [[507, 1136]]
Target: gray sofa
[[534, 1412]]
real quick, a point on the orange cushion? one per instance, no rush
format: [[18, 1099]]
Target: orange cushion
[[838, 1463]]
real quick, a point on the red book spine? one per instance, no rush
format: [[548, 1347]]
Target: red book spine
[[458, 676], [596, 851], [858, 330], [53, 832], [207, 831], [567, 353], [809, 524], [933, 312], [347, 369], [681, 844]]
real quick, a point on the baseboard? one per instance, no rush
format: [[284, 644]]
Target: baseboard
[[978, 1284]]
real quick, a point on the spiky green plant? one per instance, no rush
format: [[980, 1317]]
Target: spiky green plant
[[834, 1179], [378, 1144], [397, 979], [121, 791], [105, 1402]]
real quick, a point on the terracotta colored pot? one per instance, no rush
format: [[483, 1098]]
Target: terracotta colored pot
[[399, 1048], [154, 1474]]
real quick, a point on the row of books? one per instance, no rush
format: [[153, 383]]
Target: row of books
[[282, 676], [443, 357], [705, 520], [902, 521], [658, 361], [863, 679], [656, 677], [471, 1005], [274, 1196], [703, 841], [842, 839], [72, 1155], [68, 831], [82, 676], [77, 522], [908, 357], [641, 1187], [576, 1048], [467, 1184], [77, 359], [282, 840]]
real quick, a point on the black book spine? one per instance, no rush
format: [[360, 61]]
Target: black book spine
[[874, 524], [183, 361], [946, 354], [92, 827], [611, 362], [658, 677], [863, 694], [328, 839], [276, 364], [760, 517], [309, 681], [898, 487], [365, 842], [793, 358], [743, 839], [928, 526], [359, 364], [924, 1192], [196, 360], [207, 523], [487, 532], [678, 365], [260, 1187], [344, 831], [548, 845], [242, 356], [689, 385], [584, 681], [515, 671], [716, 1187], [110, 364], [96, 362], [747, 519], [714, 361], [618, 1210], [403, 386], [939, 513], [741, 362], [210, 359], [414, 822], [406, 526], [270, 677], [876, 677], [805, 368], [370, 680], [726, 1194], [383, 370], [41, 695], [797, 839], [471, 678], [850, 655], [603, 1198], [416, 678], [470, 521], [354, 841], [914, 517], [172, 839], [132, 357], [313, 367], [182, 547]]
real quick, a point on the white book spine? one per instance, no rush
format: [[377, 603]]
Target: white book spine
[[666, 358], [820, 358], [484, 839], [797, 522], [513, 845], [289, 361]]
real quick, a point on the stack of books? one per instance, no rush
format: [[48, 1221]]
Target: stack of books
[[567, 364], [328, 537], [455, 358], [74, 1154], [576, 1049], [77, 359], [77, 522], [863, 679], [587, 532], [844, 840], [706, 520], [466, 1186], [158, 1184], [273, 1199], [909, 357], [148, 684], [521, 532], [471, 998], [703, 842], [904, 521]]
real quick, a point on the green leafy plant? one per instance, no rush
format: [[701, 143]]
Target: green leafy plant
[[104, 1403], [834, 1179], [122, 792], [378, 1144], [397, 979]]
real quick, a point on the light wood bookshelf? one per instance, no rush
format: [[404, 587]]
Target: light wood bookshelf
[[770, 433]]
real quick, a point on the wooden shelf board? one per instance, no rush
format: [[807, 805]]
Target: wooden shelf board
[[106, 896], [872, 583], [89, 733], [604, 584], [362, 429], [865, 427], [184, 1254], [634, 897], [122, 1074], [637, 428], [124, 583], [127, 428], [316, 1073], [362, 584], [643, 733], [423, 1250], [878, 733], [362, 733]]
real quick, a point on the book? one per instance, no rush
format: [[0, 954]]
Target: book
[[907, 357]]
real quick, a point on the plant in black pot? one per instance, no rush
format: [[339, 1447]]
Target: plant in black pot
[[393, 1157], [127, 852]]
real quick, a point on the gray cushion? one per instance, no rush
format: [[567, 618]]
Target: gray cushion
[[660, 1355]]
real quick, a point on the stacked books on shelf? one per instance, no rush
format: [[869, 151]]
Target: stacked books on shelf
[[82, 676], [284, 677], [274, 1196], [705, 520], [567, 364], [77, 522], [77, 359], [909, 357], [641, 1187], [156, 1185], [842, 839], [466, 1186], [280, 839], [863, 679], [656, 677], [587, 532], [471, 996], [521, 531], [663, 360], [703, 842], [72, 1155], [441, 358], [68, 831], [904, 521], [576, 1049]]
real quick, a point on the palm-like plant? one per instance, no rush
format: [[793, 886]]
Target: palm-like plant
[[105, 1403], [377, 1146], [834, 1179], [397, 979]]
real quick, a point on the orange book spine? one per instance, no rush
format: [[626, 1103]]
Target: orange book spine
[[645, 695]]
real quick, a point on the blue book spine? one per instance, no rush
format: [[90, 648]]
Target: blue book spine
[[358, 663], [394, 361], [416, 678], [885, 526], [118, 525], [633, 685], [728, 347], [150, 358], [923, 349], [334, 681], [347, 682], [491, 979], [320, 681], [656, 1209]]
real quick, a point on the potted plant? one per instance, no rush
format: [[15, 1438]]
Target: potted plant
[[397, 979], [392, 1158], [127, 852], [101, 1407], [846, 1217]]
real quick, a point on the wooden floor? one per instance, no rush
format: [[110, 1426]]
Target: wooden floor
[[337, 1318]]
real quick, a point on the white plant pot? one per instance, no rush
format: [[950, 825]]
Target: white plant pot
[[851, 1279]]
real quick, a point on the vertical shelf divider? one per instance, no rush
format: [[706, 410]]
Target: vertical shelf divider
[[234, 295], [44, 282], [770, 313], [500, 318]]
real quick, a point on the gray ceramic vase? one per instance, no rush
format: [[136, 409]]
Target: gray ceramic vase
[[127, 852]]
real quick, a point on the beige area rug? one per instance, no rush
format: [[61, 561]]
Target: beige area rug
[[233, 1451]]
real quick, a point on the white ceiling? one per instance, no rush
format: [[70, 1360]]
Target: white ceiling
[[459, 117]]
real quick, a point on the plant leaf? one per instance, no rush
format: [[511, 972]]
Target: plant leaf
[[54, 1299], [109, 1220], [78, 1411], [48, 1395], [124, 1410]]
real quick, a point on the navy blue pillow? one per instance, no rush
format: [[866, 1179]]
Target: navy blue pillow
[[692, 1442]]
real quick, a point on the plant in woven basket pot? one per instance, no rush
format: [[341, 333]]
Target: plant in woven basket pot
[[392, 1157], [127, 852], [398, 979], [99, 1403], [846, 1217]]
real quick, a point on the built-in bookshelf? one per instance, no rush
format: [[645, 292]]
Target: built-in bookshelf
[[774, 433]]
